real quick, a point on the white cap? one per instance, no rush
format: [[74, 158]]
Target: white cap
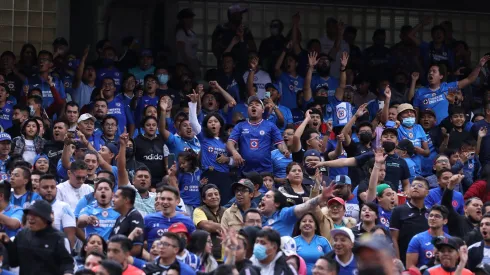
[[86, 117], [288, 246], [344, 231]]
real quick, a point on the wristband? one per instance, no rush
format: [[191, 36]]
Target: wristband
[[343, 70]]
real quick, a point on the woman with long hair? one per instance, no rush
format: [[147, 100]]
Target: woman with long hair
[[29, 144], [369, 219], [28, 60], [187, 41], [310, 244], [202, 245], [95, 243], [187, 179], [294, 189]]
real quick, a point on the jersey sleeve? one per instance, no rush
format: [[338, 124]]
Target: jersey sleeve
[[413, 245], [287, 215], [235, 133], [171, 141], [84, 211], [67, 217], [416, 99], [82, 204], [198, 216], [276, 135], [190, 226], [17, 214]]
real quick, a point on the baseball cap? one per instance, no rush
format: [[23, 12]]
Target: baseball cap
[[483, 267], [390, 130], [243, 182], [146, 52], [236, 8], [312, 153], [86, 116], [427, 111], [343, 231], [254, 177], [40, 208], [404, 107], [381, 188], [272, 86], [114, 149], [406, 145], [323, 86], [179, 227], [288, 246], [376, 243], [336, 199], [5, 136], [255, 98], [445, 241], [342, 179]]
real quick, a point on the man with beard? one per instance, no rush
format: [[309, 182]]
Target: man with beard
[[21, 114], [54, 148], [63, 217], [116, 107], [410, 218], [328, 90], [480, 251], [129, 218], [397, 172], [100, 112], [233, 216], [255, 138], [101, 217], [458, 225], [72, 112], [6, 107], [84, 81], [208, 216]]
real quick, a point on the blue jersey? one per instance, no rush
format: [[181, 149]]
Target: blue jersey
[[333, 172], [417, 136], [86, 200], [25, 200], [421, 244], [428, 162], [156, 224], [279, 163], [177, 144], [288, 117], [331, 83], [190, 259], [4, 175], [282, 221], [124, 98], [36, 81], [67, 81], [123, 114], [211, 148], [239, 108], [413, 168], [189, 187], [106, 219], [435, 196], [384, 217], [140, 74], [425, 98], [255, 142], [310, 252], [111, 73], [144, 101], [13, 212], [349, 268], [289, 87], [6, 114]]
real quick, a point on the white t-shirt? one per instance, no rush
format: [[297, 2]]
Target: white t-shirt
[[260, 79], [63, 215], [327, 45], [29, 151], [66, 193], [191, 44]]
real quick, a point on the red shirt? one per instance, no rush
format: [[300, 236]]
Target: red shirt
[[132, 270]]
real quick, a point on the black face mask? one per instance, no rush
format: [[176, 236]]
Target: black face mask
[[388, 146], [365, 137], [323, 70], [16, 121], [310, 170], [129, 153], [322, 100]]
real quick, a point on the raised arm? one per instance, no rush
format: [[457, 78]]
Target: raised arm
[[413, 34], [347, 130], [343, 162], [474, 74], [379, 159], [296, 34], [214, 85], [338, 148], [339, 92], [299, 132], [312, 61], [481, 134], [161, 120], [312, 204], [411, 92], [122, 174], [253, 63], [81, 68], [196, 127], [277, 67], [386, 107]]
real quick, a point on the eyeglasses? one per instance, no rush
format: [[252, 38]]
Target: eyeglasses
[[442, 161], [165, 244], [81, 178], [417, 185], [241, 190], [435, 216], [317, 138], [336, 206], [112, 125]]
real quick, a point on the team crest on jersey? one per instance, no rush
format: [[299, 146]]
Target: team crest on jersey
[[470, 165], [254, 144], [329, 108], [160, 232], [262, 132], [429, 254], [320, 248], [426, 101], [455, 204], [105, 214], [295, 83], [8, 111], [410, 135], [186, 188], [210, 149], [341, 113], [291, 87], [427, 215], [116, 74], [383, 220], [118, 104], [270, 221]]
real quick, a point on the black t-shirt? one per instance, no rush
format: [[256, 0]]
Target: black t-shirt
[[396, 168], [456, 139], [126, 224], [356, 174]]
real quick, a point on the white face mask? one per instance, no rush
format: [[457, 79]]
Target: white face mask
[[32, 112]]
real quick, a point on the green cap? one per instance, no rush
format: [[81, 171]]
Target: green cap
[[380, 188]]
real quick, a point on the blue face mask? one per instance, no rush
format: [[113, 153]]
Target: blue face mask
[[260, 252], [163, 78], [408, 121]]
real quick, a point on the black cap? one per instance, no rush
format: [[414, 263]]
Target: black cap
[[428, 111], [485, 268], [446, 241], [406, 145], [185, 13], [40, 208]]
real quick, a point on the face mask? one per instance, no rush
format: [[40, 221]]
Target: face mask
[[388, 146], [408, 121], [274, 31], [323, 70], [129, 152], [107, 62], [322, 100], [32, 112], [365, 137], [310, 171], [163, 78], [260, 252]]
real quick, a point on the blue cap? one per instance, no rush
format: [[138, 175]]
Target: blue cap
[[341, 179], [312, 152], [5, 136], [114, 149], [273, 86], [40, 156], [342, 114]]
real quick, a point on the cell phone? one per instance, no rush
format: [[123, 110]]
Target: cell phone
[[170, 160], [390, 124], [267, 94], [381, 104]]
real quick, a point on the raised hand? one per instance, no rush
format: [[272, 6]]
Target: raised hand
[[123, 139], [361, 111], [344, 59], [82, 137], [380, 156], [427, 20], [194, 97], [289, 45], [388, 92], [312, 59], [214, 85], [236, 39], [296, 19], [204, 181], [307, 115], [340, 27], [164, 104], [327, 191], [482, 132], [341, 138], [415, 76], [50, 80], [172, 171], [455, 179], [200, 89], [85, 52], [253, 63]]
